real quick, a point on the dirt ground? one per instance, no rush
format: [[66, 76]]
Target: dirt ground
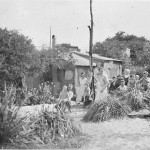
[[125, 134]]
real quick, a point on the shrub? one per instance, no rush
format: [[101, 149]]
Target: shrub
[[47, 127]]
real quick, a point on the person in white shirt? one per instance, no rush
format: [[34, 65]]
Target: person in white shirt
[[96, 70], [101, 85], [122, 87]]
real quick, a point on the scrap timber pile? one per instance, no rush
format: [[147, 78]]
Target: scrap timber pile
[[116, 107]]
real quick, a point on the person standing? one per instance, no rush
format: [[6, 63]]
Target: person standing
[[80, 92], [101, 85], [98, 66]]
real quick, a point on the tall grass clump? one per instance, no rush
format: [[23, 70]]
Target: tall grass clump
[[135, 102], [10, 124], [115, 107], [111, 108], [55, 127], [48, 127]]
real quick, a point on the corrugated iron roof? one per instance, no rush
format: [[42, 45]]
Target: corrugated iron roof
[[81, 61], [96, 56]]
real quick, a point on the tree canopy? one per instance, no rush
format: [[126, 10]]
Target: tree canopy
[[18, 56], [59, 57], [115, 47]]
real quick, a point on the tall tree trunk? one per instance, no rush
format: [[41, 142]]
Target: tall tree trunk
[[91, 49]]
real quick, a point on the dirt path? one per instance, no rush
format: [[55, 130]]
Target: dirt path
[[126, 134]]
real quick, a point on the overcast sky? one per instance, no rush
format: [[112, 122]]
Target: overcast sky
[[69, 19]]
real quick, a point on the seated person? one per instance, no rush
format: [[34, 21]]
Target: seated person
[[118, 82], [64, 98], [64, 94], [113, 85], [131, 82], [144, 81], [70, 93], [86, 97], [126, 76], [122, 88]]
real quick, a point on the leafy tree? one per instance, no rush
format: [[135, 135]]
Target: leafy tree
[[115, 47], [98, 48], [17, 55], [60, 57]]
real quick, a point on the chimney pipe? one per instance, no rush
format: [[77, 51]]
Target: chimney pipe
[[53, 41]]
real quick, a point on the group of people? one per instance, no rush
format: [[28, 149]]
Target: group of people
[[103, 86], [101, 81], [130, 81]]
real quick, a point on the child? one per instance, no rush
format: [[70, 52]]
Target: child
[[64, 99], [64, 94], [70, 92], [86, 96]]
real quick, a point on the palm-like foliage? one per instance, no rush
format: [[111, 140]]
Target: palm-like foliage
[[135, 100], [47, 127]]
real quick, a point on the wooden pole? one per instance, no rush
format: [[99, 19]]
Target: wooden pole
[[91, 36], [91, 49]]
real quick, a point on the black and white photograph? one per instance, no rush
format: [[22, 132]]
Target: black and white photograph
[[75, 74]]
